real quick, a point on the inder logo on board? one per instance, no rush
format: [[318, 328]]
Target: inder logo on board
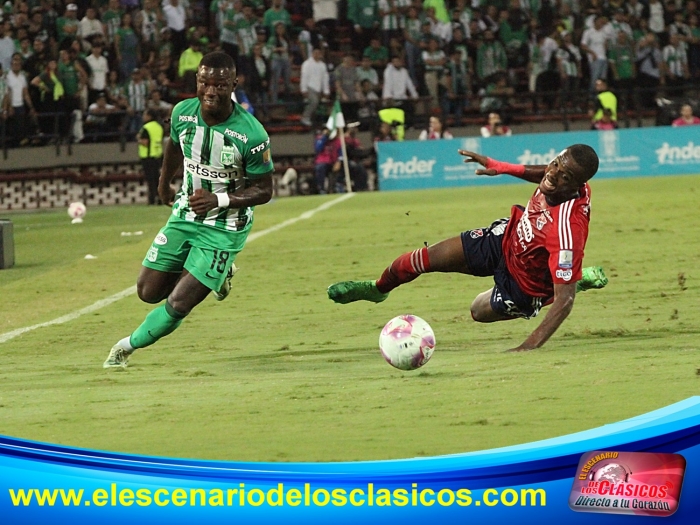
[[636, 483]]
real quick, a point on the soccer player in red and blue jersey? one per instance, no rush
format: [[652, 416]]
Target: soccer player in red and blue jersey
[[535, 256]]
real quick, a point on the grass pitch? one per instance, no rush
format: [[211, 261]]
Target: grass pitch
[[278, 372]]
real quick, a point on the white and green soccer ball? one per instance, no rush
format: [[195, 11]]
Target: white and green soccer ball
[[407, 342]]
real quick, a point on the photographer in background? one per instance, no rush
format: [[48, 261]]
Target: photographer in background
[[495, 127]]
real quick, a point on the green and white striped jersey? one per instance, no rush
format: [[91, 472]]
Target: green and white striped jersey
[[219, 159]]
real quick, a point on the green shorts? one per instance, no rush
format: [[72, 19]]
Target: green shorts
[[205, 252]]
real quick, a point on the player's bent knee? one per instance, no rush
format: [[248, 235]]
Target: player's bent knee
[[148, 294]]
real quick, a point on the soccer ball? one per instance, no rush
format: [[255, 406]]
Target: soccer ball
[[77, 211], [407, 342]]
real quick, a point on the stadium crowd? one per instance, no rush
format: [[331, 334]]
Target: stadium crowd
[[85, 68]]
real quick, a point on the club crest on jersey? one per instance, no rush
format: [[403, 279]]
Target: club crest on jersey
[[228, 155], [475, 234], [566, 259], [541, 221]]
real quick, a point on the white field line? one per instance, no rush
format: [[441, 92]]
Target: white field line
[[132, 289]]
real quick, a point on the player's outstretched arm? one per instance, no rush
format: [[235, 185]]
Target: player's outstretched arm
[[564, 295], [172, 162], [494, 167]]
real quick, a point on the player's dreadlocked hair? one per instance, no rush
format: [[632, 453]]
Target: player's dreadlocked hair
[[587, 158], [218, 60]]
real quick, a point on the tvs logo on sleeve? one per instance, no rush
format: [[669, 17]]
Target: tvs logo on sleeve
[[637, 483]]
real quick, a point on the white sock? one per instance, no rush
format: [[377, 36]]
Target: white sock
[[126, 344]]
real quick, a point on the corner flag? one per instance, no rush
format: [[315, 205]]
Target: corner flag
[[336, 120]]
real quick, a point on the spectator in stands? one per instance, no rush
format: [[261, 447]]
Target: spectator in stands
[[367, 112], [281, 65], [377, 53], [19, 101], [605, 122], [495, 127], [491, 58], [621, 58], [687, 118], [325, 14], [25, 48], [159, 108], [50, 100], [675, 60], [513, 34], [228, 37], [276, 14], [605, 99], [37, 63], [497, 95], [126, 46], [618, 25], [188, 64], [99, 113], [569, 65], [73, 76], [384, 134], [112, 19], [397, 82], [314, 85], [149, 21], [151, 153], [457, 83], [246, 29], [67, 25], [353, 147], [364, 15], [311, 38], [35, 27], [434, 61], [136, 97], [176, 19], [440, 29], [90, 26], [649, 73], [694, 46], [347, 82], [365, 71], [391, 15], [326, 146], [7, 45], [114, 92], [657, 24], [259, 77], [412, 37], [594, 42], [99, 69], [435, 130]]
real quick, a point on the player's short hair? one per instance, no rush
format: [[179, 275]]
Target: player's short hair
[[586, 158], [218, 60]]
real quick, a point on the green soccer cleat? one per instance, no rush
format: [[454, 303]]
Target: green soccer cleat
[[350, 291], [593, 278], [225, 289], [118, 357]]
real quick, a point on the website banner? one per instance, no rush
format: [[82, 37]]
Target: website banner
[[632, 469], [623, 153]]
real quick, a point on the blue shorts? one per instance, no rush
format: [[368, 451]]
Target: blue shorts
[[483, 251]]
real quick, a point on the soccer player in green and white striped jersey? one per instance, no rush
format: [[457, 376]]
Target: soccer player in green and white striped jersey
[[227, 170]]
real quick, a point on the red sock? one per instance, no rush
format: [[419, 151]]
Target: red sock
[[404, 269]]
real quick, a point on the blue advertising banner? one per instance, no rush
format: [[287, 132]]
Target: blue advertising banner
[[643, 468], [623, 153]]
